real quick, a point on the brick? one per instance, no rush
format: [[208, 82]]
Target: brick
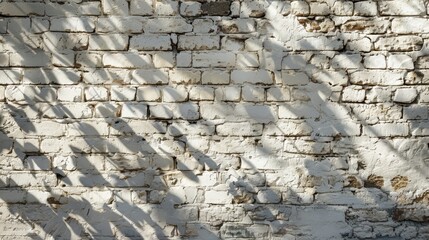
[[247, 60], [164, 60], [252, 9], [365, 8], [239, 129], [198, 42], [292, 78], [183, 76], [120, 93], [297, 110], [376, 77], [141, 76], [127, 60], [141, 7], [251, 76], [56, 41], [277, 94], [190, 9], [366, 26], [416, 112], [72, 9], [47, 76], [375, 61], [30, 59], [166, 8], [22, 9], [151, 42], [397, 7], [73, 24], [134, 111], [300, 8], [228, 94], [399, 43], [105, 76], [318, 43], [288, 128], [149, 94], [94, 93], [400, 61], [108, 42], [343, 8], [201, 93], [402, 25], [70, 94], [253, 94], [175, 94], [294, 62], [405, 95], [237, 26], [360, 45], [106, 110], [332, 77], [217, 197], [215, 77], [353, 94], [187, 111], [347, 61], [386, 130], [268, 196], [321, 9], [115, 7], [29, 94], [120, 24], [213, 59], [167, 25]]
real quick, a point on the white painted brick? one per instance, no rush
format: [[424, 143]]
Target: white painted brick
[[30, 59], [318, 43], [203, 26], [56, 41], [198, 42], [70, 94], [94, 93], [2, 93], [229, 93], [294, 62], [199, 93], [347, 61], [149, 76], [268, 196], [406, 7], [420, 128], [215, 77], [247, 60], [63, 59], [115, 7], [108, 42], [174, 94], [190, 9], [288, 128], [277, 94], [188, 111], [217, 197], [416, 112], [164, 60], [400, 62], [141, 7], [73, 111], [361, 45], [183, 76], [88, 128], [238, 26], [22, 9], [120, 93], [251, 76], [151, 42], [106, 110], [37, 163], [365, 8], [353, 94], [46, 76], [399, 43], [127, 60], [292, 78], [402, 25], [184, 59], [39, 25], [167, 25], [73, 24], [166, 7], [213, 59], [89, 60], [375, 77], [343, 8], [72, 9], [120, 24], [375, 61], [105, 76], [239, 129], [300, 8], [337, 77], [386, 130], [149, 94], [253, 94], [296, 110], [25, 93], [134, 110], [405, 95]]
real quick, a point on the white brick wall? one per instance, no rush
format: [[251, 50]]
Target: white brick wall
[[142, 119]]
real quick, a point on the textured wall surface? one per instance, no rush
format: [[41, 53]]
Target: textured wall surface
[[250, 119]]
